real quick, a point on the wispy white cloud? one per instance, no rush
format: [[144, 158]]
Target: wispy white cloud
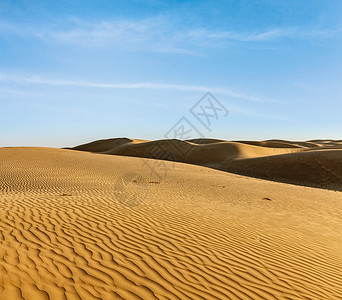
[[144, 85], [155, 34], [266, 35]]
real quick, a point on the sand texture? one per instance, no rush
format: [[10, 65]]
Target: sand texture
[[81, 225]]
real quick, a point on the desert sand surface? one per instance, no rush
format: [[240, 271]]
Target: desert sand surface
[[316, 163], [81, 225]]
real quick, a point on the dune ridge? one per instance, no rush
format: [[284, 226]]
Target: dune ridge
[[199, 234], [315, 163]]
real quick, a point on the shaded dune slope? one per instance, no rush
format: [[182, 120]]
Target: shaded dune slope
[[316, 163], [318, 168]]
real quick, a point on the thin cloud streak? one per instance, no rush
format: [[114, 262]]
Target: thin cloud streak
[[145, 85], [267, 35]]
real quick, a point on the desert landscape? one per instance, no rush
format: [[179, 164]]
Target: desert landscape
[[171, 219], [170, 150]]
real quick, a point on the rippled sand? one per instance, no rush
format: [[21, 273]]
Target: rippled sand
[[78, 225]]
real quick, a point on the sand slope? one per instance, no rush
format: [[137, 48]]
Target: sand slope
[[316, 163], [67, 233]]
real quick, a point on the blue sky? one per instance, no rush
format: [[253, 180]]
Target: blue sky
[[75, 71]]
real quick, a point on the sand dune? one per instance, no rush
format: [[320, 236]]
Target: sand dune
[[67, 231], [105, 145], [316, 163]]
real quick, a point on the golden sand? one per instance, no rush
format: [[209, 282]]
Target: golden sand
[[67, 230]]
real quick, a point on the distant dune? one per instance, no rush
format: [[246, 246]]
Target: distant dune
[[80, 225], [316, 163]]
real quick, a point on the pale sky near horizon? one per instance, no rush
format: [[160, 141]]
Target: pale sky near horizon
[[74, 71]]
